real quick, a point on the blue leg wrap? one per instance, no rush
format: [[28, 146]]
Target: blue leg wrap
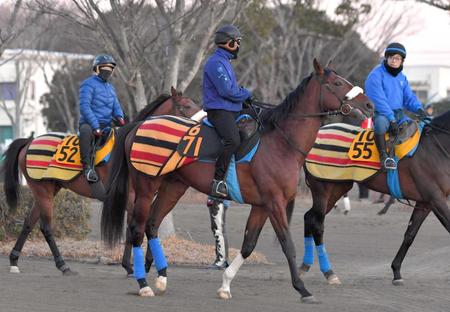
[[138, 263], [308, 257], [158, 254], [325, 265]]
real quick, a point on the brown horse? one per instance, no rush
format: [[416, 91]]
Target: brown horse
[[45, 190], [424, 178], [268, 182]]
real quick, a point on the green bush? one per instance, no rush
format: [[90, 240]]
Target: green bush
[[71, 215]]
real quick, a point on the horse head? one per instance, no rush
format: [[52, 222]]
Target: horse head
[[338, 95], [183, 106]]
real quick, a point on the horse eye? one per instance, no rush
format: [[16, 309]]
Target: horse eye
[[338, 83]]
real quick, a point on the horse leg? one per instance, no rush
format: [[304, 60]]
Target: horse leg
[[419, 214], [387, 206], [145, 190], [148, 255], [325, 195], [169, 193], [126, 263], [281, 227], [28, 226]]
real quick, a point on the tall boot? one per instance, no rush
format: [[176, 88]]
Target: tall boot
[[217, 209], [86, 159], [386, 161]]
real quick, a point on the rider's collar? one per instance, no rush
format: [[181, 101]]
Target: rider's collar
[[224, 53]]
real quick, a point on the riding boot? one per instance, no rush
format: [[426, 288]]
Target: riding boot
[[86, 153], [217, 209], [386, 161]]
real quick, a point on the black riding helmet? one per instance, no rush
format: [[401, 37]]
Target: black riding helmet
[[395, 48], [102, 59], [227, 33]]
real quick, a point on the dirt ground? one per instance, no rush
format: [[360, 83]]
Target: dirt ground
[[361, 246]]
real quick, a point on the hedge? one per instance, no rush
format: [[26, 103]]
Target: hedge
[[71, 214]]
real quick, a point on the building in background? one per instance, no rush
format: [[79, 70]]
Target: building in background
[[24, 78], [428, 74]]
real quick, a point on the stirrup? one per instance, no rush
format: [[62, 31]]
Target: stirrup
[[219, 189], [390, 164], [91, 176]]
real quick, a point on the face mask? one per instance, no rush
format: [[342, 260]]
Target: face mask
[[235, 53], [393, 71], [105, 74]]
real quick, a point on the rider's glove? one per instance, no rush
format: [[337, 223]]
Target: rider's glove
[[422, 114], [120, 121], [97, 132], [393, 127]]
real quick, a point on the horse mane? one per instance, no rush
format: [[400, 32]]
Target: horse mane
[[442, 121], [149, 108], [272, 116]]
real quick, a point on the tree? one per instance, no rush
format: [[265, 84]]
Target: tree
[[440, 4]]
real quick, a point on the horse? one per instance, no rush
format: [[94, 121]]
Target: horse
[[268, 182], [44, 191], [424, 178]]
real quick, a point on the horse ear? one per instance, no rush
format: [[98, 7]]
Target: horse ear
[[173, 91], [330, 64], [317, 67]]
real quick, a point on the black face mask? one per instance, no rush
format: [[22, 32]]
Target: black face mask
[[105, 74], [393, 71], [235, 53]]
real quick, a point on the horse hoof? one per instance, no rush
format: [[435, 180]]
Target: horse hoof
[[69, 272], [333, 280], [14, 269], [398, 282], [303, 269], [224, 294], [130, 275], [146, 292], [161, 285], [309, 299]]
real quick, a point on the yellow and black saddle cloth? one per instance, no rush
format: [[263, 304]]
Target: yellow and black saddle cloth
[[347, 153], [165, 143], [56, 156]]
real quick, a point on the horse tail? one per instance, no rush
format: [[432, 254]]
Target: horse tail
[[114, 206], [10, 171]]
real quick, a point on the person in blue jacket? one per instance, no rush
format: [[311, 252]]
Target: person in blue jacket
[[388, 88], [98, 106], [222, 100]]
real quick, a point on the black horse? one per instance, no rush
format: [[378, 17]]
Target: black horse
[[424, 178]]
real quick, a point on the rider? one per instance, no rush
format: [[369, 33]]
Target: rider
[[98, 106], [222, 100], [389, 90]]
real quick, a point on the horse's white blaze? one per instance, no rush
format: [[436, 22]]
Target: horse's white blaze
[[161, 285], [230, 272], [146, 292], [354, 92], [14, 269]]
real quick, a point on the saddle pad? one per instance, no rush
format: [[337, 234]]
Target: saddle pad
[[328, 159], [154, 148], [57, 156], [363, 147], [344, 152]]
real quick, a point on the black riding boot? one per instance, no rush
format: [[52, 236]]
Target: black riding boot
[[86, 139], [386, 161]]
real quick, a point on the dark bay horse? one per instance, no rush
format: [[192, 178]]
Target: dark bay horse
[[268, 182], [44, 191], [424, 178]]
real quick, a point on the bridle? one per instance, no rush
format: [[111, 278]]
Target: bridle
[[344, 109]]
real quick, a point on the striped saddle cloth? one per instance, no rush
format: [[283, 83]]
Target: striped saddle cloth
[[56, 156], [348, 153]]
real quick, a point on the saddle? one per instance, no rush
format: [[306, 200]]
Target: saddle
[[165, 143]]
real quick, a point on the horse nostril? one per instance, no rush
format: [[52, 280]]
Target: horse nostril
[[369, 106]]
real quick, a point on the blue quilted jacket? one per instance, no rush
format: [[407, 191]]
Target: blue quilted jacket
[[98, 102], [220, 87], [390, 93]]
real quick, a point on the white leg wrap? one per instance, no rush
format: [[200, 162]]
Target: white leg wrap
[[14, 269]]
